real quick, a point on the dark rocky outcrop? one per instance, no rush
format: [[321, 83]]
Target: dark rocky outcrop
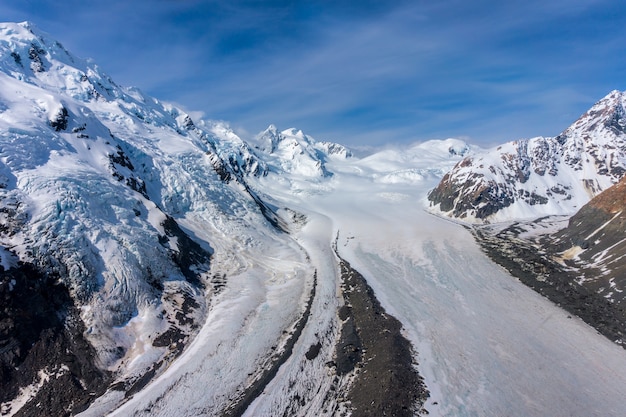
[[35, 53], [42, 345], [371, 343], [59, 122], [597, 235]]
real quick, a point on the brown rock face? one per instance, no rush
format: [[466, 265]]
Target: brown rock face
[[598, 232], [612, 200]]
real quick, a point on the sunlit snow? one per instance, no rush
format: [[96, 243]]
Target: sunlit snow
[[486, 344]]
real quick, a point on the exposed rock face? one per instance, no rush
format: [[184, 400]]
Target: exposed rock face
[[540, 176], [594, 243], [43, 352]]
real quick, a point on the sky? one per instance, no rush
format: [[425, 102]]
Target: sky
[[361, 73]]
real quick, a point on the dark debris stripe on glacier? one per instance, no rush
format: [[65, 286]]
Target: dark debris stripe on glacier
[[372, 346]]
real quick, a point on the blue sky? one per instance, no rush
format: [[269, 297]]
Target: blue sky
[[356, 72]]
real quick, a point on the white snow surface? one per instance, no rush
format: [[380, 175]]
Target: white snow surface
[[486, 344], [88, 197]]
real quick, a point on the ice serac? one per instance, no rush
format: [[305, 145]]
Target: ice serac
[[541, 176]]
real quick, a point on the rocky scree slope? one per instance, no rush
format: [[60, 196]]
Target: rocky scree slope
[[530, 178], [577, 263], [593, 245], [520, 195]]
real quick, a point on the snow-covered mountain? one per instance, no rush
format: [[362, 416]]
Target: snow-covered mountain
[[151, 264], [100, 189], [540, 176], [293, 152]]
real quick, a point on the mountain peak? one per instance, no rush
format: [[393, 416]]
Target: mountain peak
[[14, 36], [606, 115], [541, 176], [294, 132], [28, 54], [268, 139], [22, 30], [271, 129]]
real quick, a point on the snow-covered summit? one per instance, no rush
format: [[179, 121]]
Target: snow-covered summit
[[30, 55], [292, 151], [540, 176]]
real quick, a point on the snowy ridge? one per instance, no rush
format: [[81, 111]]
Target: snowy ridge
[[540, 176], [292, 152], [123, 197]]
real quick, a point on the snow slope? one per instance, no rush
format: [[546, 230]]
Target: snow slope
[[142, 214]]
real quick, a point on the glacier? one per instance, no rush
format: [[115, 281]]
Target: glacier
[[197, 260]]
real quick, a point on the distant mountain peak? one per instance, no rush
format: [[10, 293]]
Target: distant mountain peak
[[292, 151]]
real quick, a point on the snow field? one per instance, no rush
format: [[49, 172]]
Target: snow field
[[486, 344]]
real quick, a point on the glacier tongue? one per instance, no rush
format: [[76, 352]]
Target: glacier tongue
[[486, 344]]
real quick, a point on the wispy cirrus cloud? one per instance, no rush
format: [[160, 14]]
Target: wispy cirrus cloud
[[357, 72]]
